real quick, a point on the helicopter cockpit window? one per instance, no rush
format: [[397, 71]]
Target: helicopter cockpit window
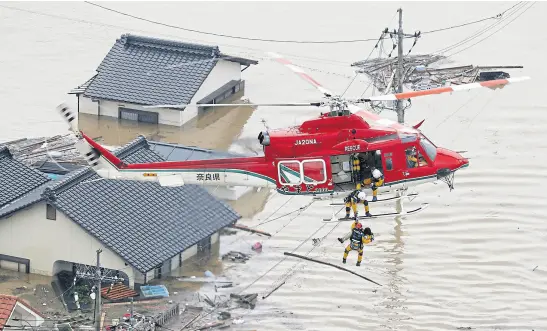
[[407, 137], [428, 147], [411, 157]]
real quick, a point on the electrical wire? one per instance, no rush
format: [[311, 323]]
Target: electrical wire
[[493, 33], [230, 36], [356, 73], [470, 23], [480, 32]]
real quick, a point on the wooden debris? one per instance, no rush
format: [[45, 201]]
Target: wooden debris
[[211, 325], [248, 229], [208, 301], [329, 264], [223, 286], [275, 289], [236, 256], [246, 300]]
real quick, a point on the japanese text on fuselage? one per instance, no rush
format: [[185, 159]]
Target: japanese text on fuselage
[[202, 176]]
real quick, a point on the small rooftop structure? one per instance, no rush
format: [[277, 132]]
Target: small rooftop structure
[[16, 314], [144, 71]]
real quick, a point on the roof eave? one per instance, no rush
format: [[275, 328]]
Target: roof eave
[[237, 59]]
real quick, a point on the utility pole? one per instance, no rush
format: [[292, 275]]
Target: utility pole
[[131, 316], [400, 69], [98, 295]]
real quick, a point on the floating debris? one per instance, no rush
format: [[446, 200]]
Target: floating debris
[[246, 300], [236, 257], [248, 229]]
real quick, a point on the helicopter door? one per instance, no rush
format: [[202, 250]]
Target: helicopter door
[[302, 176]]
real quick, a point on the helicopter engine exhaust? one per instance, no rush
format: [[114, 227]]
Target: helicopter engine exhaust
[[264, 138]]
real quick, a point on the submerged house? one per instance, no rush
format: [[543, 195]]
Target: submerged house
[[143, 229], [142, 71]]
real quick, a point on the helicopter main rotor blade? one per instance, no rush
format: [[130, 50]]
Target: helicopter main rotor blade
[[492, 84], [301, 104], [299, 71]]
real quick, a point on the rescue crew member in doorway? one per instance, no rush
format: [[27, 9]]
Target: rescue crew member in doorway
[[353, 199], [358, 239], [366, 172], [377, 181]]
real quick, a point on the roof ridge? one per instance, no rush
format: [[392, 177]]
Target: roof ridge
[[4, 151], [67, 182], [174, 45], [132, 146]]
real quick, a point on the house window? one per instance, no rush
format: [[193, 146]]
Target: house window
[[51, 212], [138, 115], [204, 245]]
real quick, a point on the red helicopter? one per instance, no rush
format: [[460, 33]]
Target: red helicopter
[[314, 158]]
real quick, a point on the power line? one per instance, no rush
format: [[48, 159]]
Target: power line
[[230, 36], [493, 33], [470, 23], [481, 31]]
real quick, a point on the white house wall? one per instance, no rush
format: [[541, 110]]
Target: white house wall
[[29, 234], [110, 109], [222, 73], [87, 106]]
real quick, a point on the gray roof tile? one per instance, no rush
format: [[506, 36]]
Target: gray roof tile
[[152, 71], [16, 179], [144, 223]]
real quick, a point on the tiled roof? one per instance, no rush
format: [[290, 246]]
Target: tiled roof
[[25, 200], [144, 223], [7, 303], [17, 179], [150, 71], [117, 292], [81, 88]]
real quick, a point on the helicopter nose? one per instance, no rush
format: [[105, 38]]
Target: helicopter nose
[[450, 159]]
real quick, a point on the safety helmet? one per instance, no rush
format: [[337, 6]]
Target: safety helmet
[[361, 196], [367, 231], [358, 226]]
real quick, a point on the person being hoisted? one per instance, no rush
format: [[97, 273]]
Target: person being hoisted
[[352, 200], [377, 181], [358, 239]]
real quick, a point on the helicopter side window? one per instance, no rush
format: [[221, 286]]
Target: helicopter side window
[[411, 157], [414, 158], [389, 161]]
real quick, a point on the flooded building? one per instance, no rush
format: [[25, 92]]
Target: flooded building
[[145, 230], [142, 71], [17, 314]]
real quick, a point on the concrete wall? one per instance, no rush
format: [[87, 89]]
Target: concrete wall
[[29, 234], [110, 109], [222, 73]]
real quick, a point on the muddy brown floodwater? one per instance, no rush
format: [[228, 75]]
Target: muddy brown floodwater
[[474, 259]]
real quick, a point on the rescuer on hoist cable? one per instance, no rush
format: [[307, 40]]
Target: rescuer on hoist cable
[[358, 239], [352, 200]]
